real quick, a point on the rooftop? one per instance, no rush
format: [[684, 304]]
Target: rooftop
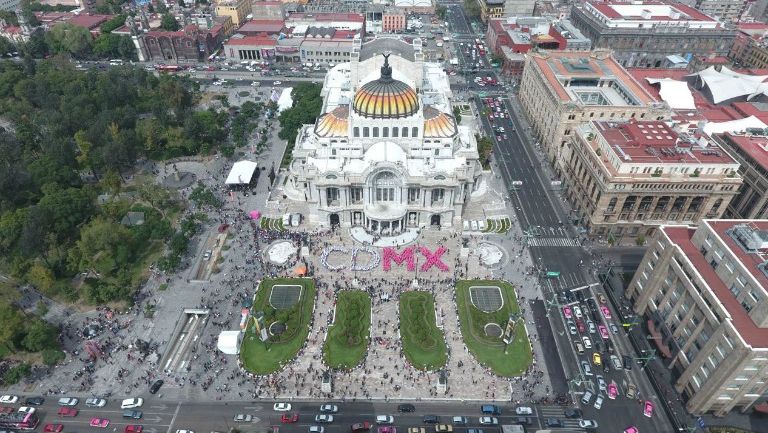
[[251, 40], [648, 11], [89, 21], [262, 26], [327, 16], [654, 142], [590, 78], [682, 236], [754, 146]]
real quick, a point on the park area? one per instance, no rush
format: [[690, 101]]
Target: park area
[[287, 307], [423, 342], [484, 309], [348, 337]]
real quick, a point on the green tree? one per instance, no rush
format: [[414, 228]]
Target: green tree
[[113, 24], [68, 38], [6, 46], [441, 11], [37, 46], [40, 335], [41, 277], [485, 150], [168, 22], [104, 246], [13, 323], [457, 114], [472, 8]]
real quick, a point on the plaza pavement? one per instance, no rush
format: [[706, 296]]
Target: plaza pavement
[[383, 367]]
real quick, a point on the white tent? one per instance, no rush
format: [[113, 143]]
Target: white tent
[[727, 84], [229, 342], [675, 93], [733, 125], [241, 173], [285, 101]]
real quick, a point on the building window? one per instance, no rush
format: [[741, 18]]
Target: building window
[[375, 131], [385, 194], [385, 132], [356, 194], [332, 196], [366, 132], [405, 131], [437, 195], [414, 132], [395, 130], [356, 131], [413, 195]]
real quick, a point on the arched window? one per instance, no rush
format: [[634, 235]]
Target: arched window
[[375, 131], [414, 132], [366, 132], [384, 185], [395, 131], [385, 132], [357, 131], [405, 131]]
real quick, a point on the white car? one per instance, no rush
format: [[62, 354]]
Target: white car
[[576, 311], [282, 407], [68, 401], [524, 410], [184, 431], [601, 383], [599, 402], [133, 403], [587, 423], [9, 399], [329, 408], [324, 418], [95, 402], [587, 342], [27, 409], [277, 83], [385, 419], [241, 417], [488, 420]]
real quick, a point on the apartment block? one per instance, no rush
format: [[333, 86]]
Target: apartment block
[[701, 291], [625, 179]]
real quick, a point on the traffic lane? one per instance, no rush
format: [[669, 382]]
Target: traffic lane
[[549, 348]]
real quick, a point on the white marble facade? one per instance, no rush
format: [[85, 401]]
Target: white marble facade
[[387, 153]]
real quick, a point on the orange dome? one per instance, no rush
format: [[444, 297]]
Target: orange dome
[[333, 123], [437, 123], [385, 98]]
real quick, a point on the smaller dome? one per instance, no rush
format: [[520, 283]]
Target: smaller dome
[[333, 123], [438, 124]]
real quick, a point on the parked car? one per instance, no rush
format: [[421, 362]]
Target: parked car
[[417, 430], [242, 417], [587, 397], [132, 413], [361, 426], [99, 422], [131, 403], [34, 401], [488, 420], [282, 407], [601, 384], [329, 408], [133, 428], [53, 428], [68, 401], [613, 391], [67, 411], [316, 429], [587, 369], [443, 428], [554, 422], [385, 419], [523, 410], [631, 391], [431, 419], [290, 418], [459, 420], [587, 342], [95, 402], [587, 424], [406, 407]]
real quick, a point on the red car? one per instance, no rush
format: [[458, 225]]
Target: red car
[[648, 409], [361, 426], [67, 411], [99, 422], [6, 409], [133, 428], [580, 326], [567, 312], [53, 428], [289, 418]]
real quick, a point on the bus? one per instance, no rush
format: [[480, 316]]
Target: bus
[[19, 420], [167, 68]]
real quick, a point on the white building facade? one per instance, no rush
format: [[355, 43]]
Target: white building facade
[[387, 154]]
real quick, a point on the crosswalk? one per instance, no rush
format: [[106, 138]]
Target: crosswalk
[[559, 413], [553, 242]]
